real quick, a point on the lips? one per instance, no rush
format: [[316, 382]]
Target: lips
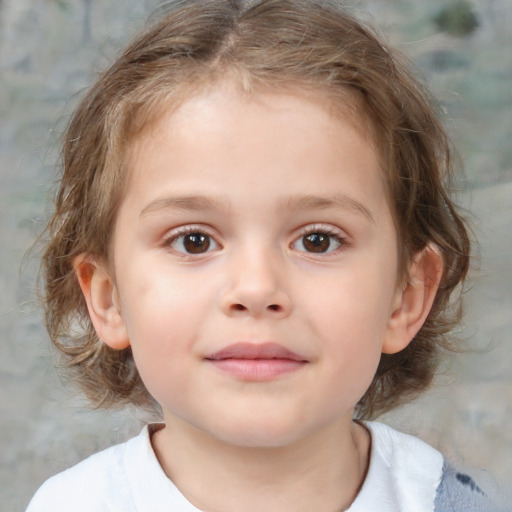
[[256, 361], [256, 351]]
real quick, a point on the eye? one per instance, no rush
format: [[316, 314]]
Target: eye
[[193, 242], [319, 242]]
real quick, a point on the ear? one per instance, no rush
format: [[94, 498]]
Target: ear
[[413, 302], [102, 300]]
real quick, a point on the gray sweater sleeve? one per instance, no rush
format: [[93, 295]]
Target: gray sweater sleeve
[[458, 492]]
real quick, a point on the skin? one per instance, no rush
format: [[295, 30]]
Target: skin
[[254, 177]]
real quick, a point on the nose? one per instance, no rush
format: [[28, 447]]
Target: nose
[[256, 287]]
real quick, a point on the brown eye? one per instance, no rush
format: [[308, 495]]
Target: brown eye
[[190, 242], [316, 242], [196, 243]]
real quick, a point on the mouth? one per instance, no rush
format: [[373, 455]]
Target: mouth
[[257, 362]]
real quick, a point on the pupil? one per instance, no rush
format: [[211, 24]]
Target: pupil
[[317, 242], [196, 243]]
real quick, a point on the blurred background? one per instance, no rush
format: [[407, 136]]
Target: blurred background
[[50, 50]]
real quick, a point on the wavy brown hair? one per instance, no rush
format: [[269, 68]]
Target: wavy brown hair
[[303, 45]]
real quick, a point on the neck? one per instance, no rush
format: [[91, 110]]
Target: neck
[[323, 471]]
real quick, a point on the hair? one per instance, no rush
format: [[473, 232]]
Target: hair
[[298, 45]]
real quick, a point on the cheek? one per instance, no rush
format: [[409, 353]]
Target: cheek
[[162, 297], [162, 334], [351, 360], [162, 315], [352, 320], [355, 304], [354, 352]]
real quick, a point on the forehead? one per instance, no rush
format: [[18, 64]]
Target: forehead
[[223, 138], [172, 109]]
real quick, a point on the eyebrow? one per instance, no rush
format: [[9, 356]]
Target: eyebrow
[[293, 203], [185, 203], [336, 201]]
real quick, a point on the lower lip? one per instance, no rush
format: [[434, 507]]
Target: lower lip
[[259, 370]]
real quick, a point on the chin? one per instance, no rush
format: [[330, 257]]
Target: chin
[[263, 434]]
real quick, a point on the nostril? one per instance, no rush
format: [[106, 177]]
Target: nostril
[[238, 307], [273, 307]]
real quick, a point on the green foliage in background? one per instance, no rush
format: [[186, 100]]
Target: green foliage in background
[[457, 19], [62, 4]]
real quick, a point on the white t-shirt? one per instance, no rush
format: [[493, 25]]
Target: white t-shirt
[[403, 476]]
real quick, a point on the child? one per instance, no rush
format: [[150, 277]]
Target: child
[[252, 231]]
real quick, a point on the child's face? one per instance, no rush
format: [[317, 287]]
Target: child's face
[[252, 229]]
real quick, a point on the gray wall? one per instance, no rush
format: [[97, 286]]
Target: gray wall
[[51, 49]]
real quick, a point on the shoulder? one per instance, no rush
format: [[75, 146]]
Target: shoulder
[[403, 474], [400, 450], [418, 473], [459, 492], [98, 483]]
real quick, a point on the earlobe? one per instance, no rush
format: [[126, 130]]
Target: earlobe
[[414, 301], [102, 300]]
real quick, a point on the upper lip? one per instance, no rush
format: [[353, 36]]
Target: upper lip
[[246, 350]]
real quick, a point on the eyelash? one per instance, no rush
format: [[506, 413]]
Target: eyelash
[[181, 233], [320, 229], [316, 229]]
